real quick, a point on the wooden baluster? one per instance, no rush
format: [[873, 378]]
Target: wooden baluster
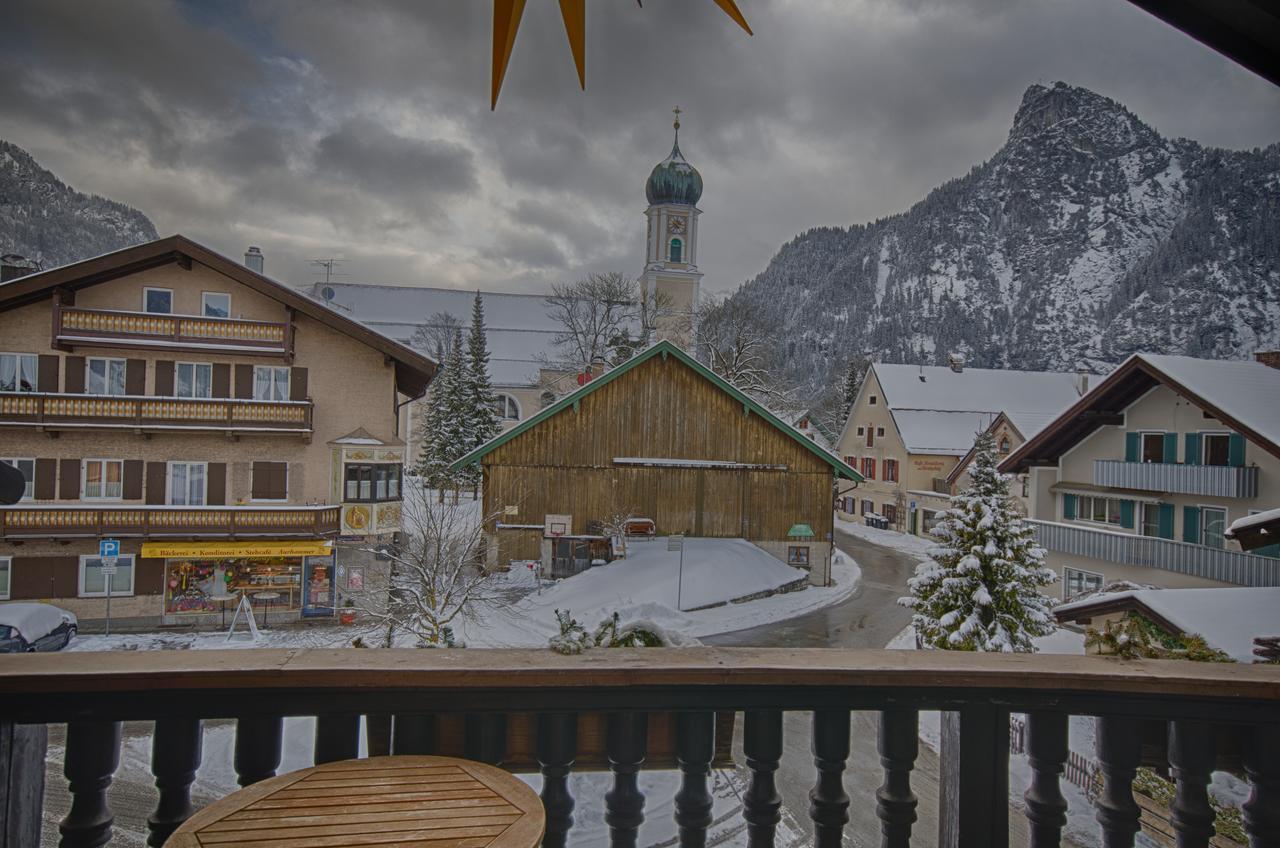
[[1119, 749], [557, 748], [337, 738], [1047, 751], [695, 745], [899, 743], [257, 754], [24, 750], [175, 756], [486, 737], [828, 802], [1191, 754], [413, 733], [762, 805], [92, 754], [1261, 749], [626, 741], [973, 790]]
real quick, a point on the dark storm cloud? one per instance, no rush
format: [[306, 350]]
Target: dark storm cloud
[[315, 127]]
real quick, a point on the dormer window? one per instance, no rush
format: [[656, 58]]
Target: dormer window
[[677, 250], [1004, 446]]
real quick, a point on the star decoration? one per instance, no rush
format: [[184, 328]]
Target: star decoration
[[506, 22]]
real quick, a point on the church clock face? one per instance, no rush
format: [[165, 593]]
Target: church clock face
[[676, 226]]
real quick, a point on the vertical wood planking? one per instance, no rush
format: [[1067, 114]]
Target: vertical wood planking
[[1119, 747], [337, 738], [898, 744], [486, 737], [413, 733], [175, 757], [257, 754], [828, 802], [626, 738], [695, 744], [1191, 753], [557, 748], [762, 805], [92, 755], [23, 750], [973, 790]]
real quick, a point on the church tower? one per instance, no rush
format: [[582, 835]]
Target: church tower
[[671, 277]]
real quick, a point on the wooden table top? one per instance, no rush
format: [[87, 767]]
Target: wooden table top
[[392, 802]]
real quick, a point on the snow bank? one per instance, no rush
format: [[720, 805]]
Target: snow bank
[[904, 542]]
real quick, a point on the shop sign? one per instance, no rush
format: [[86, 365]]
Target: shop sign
[[227, 550]]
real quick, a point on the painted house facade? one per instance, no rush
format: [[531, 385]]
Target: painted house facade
[[911, 426], [662, 438], [1140, 479], [229, 432]]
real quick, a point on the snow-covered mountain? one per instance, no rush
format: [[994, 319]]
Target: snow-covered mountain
[[46, 220], [1086, 237]]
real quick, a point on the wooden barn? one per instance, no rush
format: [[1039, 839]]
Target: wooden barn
[[660, 437]]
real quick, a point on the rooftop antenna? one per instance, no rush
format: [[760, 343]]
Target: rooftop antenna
[[330, 268]]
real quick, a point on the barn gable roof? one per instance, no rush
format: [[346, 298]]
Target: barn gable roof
[[664, 349]]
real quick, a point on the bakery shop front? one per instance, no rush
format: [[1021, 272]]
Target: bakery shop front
[[204, 581]]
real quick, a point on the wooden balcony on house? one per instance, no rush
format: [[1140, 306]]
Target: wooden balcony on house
[[148, 414], [48, 521], [1228, 566], [1217, 481], [75, 327], [533, 710]]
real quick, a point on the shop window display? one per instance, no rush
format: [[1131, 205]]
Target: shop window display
[[192, 584]]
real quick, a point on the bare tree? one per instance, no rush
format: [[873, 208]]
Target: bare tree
[[435, 336], [615, 524], [437, 576], [741, 346], [593, 313]]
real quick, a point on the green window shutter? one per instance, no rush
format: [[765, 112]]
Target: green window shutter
[[1171, 448], [1164, 526], [1235, 450], [1069, 506], [1132, 447], [1193, 449], [1191, 524], [1126, 514]]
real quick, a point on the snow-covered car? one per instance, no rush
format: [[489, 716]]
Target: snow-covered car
[[35, 627]]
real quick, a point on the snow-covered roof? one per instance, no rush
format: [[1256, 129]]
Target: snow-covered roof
[[520, 333], [1247, 391], [1228, 619], [934, 431], [1256, 520], [31, 620]]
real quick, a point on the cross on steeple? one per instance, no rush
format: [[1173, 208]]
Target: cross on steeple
[[677, 112]]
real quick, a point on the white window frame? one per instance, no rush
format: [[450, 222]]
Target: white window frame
[[116, 589], [252, 499], [1204, 525], [862, 432], [146, 290], [204, 304], [1204, 446], [1142, 444], [194, 365], [84, 479], [510, 401], [288, 381], [1143, 506], [20, 357], [30, 491], [168, 482], [1067, 571], [1090, 519], [6, 588], [106, 375]]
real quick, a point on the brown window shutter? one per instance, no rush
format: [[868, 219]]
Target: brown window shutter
[[216, 485], [297, 384], [270, 481], [46, 479], [133, 479], [157, 473], [221, 380], [69, 479], [47, 375], [135, 377], [75, 375], [280, 481], [260, 483], [164, 378], [244, 381]]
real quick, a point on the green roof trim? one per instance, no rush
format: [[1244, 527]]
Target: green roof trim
[[664, 349], [800, 531]]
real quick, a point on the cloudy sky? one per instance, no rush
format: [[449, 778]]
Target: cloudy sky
[[363, 130]]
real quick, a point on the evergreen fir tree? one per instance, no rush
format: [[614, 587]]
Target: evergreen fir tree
[[433, 433], [481, 402], [979, 593], [853, 382], [455, 430]]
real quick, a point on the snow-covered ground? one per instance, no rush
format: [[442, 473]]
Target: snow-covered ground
[[904, 542]]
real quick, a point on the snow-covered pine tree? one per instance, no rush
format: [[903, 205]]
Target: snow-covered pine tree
[[980, 591], [480, 399], [853, 382], [455, 429], [427, 466]]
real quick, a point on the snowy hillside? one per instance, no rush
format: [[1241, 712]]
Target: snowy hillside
[[44, 219], [1086, 237]]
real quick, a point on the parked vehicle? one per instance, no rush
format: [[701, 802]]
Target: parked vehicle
[[35, 627]]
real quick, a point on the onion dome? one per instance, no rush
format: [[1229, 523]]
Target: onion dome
[[673, 180]]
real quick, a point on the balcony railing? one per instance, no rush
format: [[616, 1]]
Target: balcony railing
[[513, 708], [1220, 481], [40, 521], [137, 412], [75, 326], [1182, 557]]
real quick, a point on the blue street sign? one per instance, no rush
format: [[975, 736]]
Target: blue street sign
[[108, 548]]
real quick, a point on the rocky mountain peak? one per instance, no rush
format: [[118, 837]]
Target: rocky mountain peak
[[1080, 118]]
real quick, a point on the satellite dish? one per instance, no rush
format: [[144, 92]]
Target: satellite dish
[[327, 292], [12, 484]]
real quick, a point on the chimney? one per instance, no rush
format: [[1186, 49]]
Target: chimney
[[1082, 382], [254, 260], [13, 266], [1269, 358], [956, 361]]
